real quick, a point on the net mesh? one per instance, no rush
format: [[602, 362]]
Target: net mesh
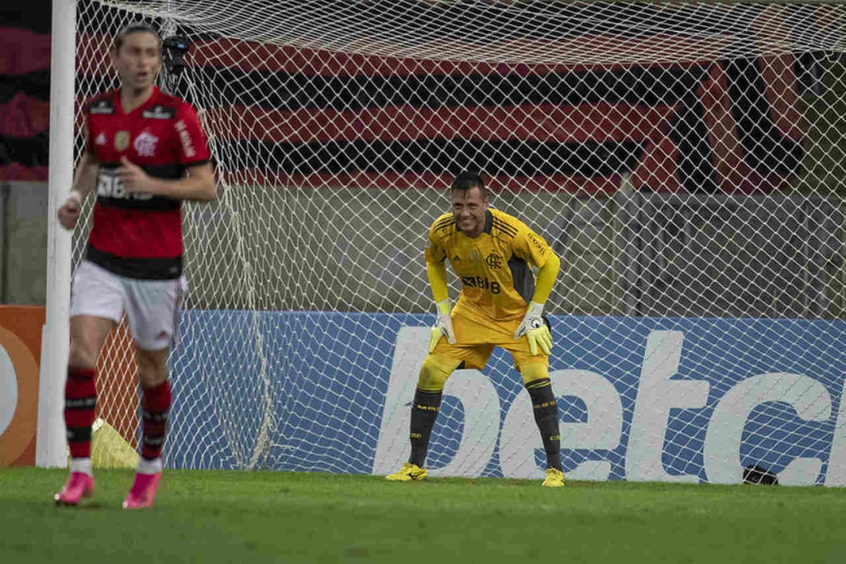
[[684, 161]]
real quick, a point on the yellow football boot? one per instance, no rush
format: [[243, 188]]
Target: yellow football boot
[[407, 473], [554, 478]]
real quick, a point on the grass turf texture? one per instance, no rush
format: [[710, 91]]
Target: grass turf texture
[[204, 516]]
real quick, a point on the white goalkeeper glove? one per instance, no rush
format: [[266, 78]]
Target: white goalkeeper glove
[[535, 329], [442, 327]]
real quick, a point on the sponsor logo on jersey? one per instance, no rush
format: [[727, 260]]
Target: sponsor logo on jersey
[[482, 283], [540, 247], [101, 139], [145, 144], [101, 107], [110, 186], [474, 256], [493, 260], [185, 138], [158, 112], [121, 141]]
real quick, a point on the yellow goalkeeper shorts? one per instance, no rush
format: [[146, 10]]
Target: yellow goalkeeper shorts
[[477, 336]]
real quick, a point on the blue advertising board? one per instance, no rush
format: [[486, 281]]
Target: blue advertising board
[[667, 399]]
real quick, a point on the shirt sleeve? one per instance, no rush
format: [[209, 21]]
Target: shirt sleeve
[[531, 247], [193, 147]]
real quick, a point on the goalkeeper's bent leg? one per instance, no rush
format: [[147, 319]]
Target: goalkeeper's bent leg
[[424, 411], [427, 404], [545, 408]]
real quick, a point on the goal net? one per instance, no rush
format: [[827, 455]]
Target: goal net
[[685, 161]]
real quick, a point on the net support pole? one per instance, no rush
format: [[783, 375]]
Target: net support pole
[[50, 449]]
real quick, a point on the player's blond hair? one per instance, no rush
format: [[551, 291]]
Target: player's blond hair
[[137, 27]]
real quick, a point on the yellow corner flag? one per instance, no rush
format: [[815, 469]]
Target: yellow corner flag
[[109, 449]]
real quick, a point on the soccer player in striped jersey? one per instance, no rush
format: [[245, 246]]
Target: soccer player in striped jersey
[[145, 154], [501, 305]]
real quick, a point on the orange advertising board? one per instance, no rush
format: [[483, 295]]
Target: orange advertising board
[[20, 350]]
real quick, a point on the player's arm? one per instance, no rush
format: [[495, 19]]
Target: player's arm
[[84, 182], [198, 184], [546, 279], [436, 272], [537, 251]]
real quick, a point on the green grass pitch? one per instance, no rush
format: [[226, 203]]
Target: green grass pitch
[[206, 517]]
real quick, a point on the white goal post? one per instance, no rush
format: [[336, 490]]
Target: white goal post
[[685, 160]]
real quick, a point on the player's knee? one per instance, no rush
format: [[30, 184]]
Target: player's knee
[[82, 354], [534, 371], [152, 369], [434, 373], [151, 377]]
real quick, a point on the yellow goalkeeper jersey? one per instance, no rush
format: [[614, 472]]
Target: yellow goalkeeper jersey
[[495, 268]]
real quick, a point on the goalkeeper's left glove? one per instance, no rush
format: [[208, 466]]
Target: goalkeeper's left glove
[[535, 329]]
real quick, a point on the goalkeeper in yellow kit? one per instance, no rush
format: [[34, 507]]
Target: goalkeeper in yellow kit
[[501, 305]]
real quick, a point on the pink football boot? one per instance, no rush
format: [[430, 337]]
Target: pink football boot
[[143, 491], [79, 485]]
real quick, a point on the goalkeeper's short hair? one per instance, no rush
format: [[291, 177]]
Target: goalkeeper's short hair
[[467, 180]]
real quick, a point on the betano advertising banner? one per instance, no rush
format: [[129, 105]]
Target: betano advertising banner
[[690, 400]]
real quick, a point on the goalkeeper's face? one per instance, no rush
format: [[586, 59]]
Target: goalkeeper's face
[[468, 208], [138, 61]]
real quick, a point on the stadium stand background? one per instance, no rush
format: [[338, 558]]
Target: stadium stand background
[[24, 119]]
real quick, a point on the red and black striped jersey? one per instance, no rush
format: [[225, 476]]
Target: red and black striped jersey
[[140, 235]]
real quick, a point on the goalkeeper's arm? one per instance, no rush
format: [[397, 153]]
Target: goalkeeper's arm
[[436, 273], [533, 325], [546, 279]]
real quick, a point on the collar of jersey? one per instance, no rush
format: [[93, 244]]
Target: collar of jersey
[[488, 222], [141, 108]]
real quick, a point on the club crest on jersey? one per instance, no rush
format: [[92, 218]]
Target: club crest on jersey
[[145, 144], [121, 141], [493, 260]]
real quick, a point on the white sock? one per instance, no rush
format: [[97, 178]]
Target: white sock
[[150, 466], [81, 465]]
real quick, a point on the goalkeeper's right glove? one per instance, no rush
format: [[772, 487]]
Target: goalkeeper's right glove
[[535, 329], [442, 327]]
